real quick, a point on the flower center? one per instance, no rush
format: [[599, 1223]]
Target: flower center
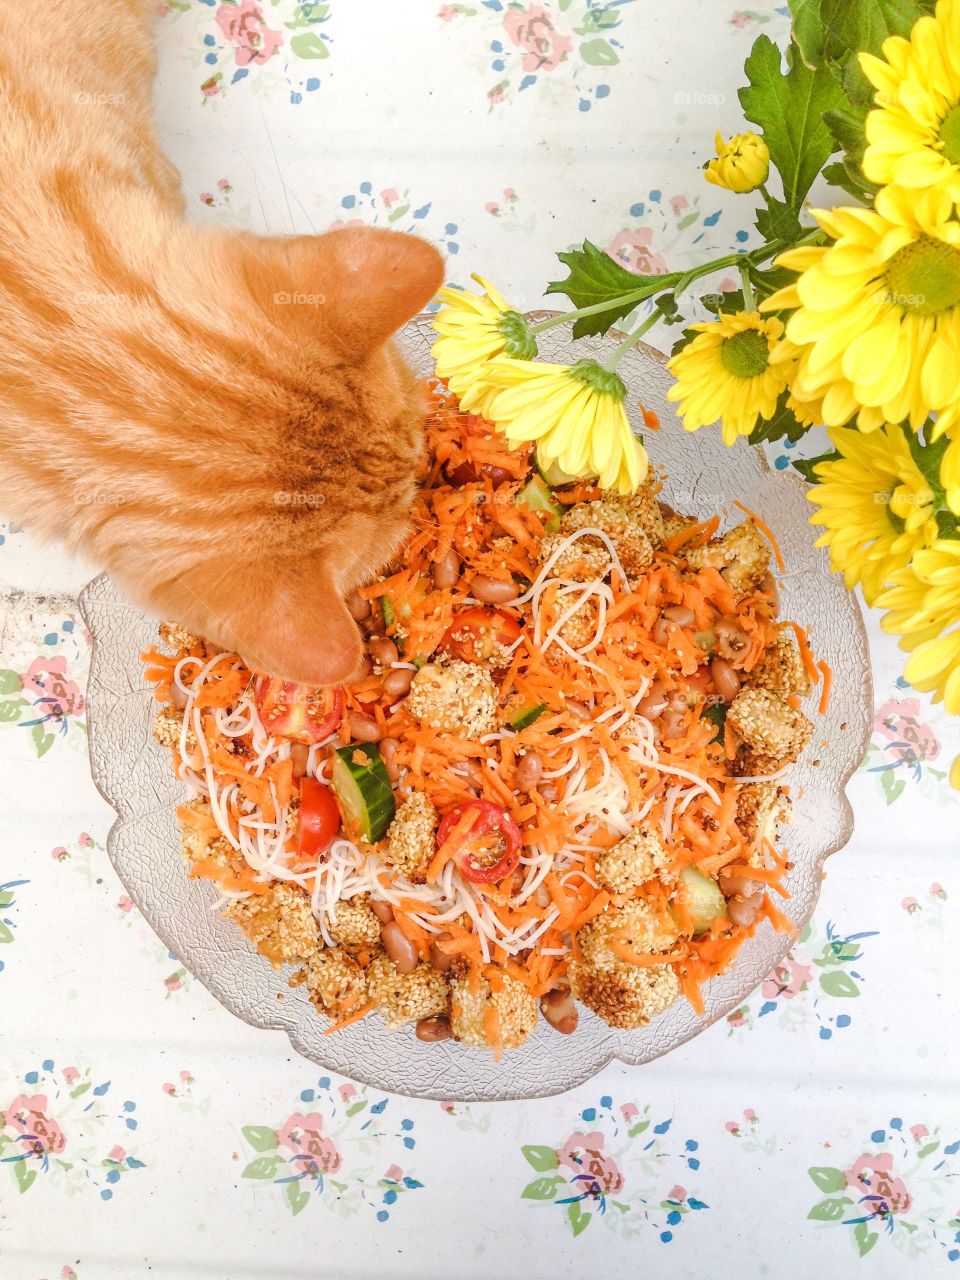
[[599, 379], [519, 342], [950, 135], [923, 278], [746, 354]]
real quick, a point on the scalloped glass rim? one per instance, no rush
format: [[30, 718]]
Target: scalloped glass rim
[[133, 774]]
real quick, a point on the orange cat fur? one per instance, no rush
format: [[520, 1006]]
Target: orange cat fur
[[237, 462]]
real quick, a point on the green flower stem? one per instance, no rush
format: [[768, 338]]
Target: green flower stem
[[749, 301], [637, 295], [632, 339]]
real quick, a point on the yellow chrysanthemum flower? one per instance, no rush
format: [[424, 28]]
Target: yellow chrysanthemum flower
[[741, 165], [472, 329], [576, 415], [878, 311], [875, 506], [725, 374], [924, 604], [913, 134]]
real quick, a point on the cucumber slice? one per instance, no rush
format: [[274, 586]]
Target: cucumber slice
[[402, 609], [537, 495], [551, 473], [362, 786], [521, 717], [389, 613], [703, 899]]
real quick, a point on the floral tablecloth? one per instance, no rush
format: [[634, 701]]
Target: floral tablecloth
[[146, 1132]]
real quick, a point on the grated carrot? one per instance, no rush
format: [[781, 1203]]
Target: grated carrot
[[767, 533]]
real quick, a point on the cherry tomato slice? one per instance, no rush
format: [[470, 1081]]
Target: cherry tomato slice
[[297, 711], [468, 472], [319, 819], [491, 849], [479, 634]]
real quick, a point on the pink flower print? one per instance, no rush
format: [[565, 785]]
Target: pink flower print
[[70, 1074], [174, 982], [492, 207], [117, 1153], [910, 905], [728, 284], [394, 1173], [339, 223], [390, 197], [47, 678], [737, 1018], [302, 1134], [223, 185], [59, 854], [244, 27], [84, 839], [938, 891], [583, 1154], [210, 88], [36, 1131], [911, 741], [67, 1273], [496, 95], [125, 903], [510, 194], [677, 1195], [881, 1190], [678, 204], [629, 1110], [169, 1090], [206, 198], [732, 1127], [346, 1092], [446, 13], [632, 248], [750, 1115], [447, 1107], [186, 1077], [739, 19], [788, 980], [918, 1132], [532, 31]]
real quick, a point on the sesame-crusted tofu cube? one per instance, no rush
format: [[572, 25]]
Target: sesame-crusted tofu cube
[[279, 923], [674, 523], [515, 1006], [454, 697], [635, 859], [193, 838], [411, 837], [335, 982], [623, 994], [578, 630], [406, 997], [167, 725], [780, 668], [761, 808], [742, 555], [643, 507], [611, 517], [768, 725], [585, 560], [356, 925]]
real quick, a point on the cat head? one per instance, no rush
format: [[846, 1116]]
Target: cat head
[[317, 441]]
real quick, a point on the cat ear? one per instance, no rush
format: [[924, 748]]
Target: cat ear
[[359, 285]]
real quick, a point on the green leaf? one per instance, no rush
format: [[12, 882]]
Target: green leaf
[[42, 740], [540, 1158], [595, 278], [81, 1089], [848, 177], [833, 30], [542, 1188], [826, 1178], [839, 984], [830, 1210], [782, 426], [599, 53], [806, 465], [927, 1149], [296, 1198], [262, 1167], [789, 108], [891, 787], [579, 1221], [10, 682], [724, 303], [25, 1177], [6, 933], [777, 221], [6, 898], [260, 1137], [309, 45], [948, 526], [10, 710], [865, 1238], [928, 458]]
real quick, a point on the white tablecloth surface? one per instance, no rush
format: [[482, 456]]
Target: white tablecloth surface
[[816, 1131]]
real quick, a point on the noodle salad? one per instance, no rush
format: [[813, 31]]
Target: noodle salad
[[557, 785]]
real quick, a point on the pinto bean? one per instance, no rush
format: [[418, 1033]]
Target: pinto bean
[[433, 1029], [399, 948], [743, 911], [731, 640], [396, 683], [299, 754], [492, 590], [529, 771], [382, 910], [731, 884], [358, 606], [560, 1010], [654, 701], [542, 896], [672, 724], [660, 632], [446, 570], [680, 614], [388, 754], [577, 709], [550, 794], [363, 728], [383, 651], [439, 958], [725, 679]]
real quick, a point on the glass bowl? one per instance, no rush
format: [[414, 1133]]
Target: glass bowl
[[134, 775]]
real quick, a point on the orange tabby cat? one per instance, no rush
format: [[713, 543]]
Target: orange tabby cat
[[220, 420]]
